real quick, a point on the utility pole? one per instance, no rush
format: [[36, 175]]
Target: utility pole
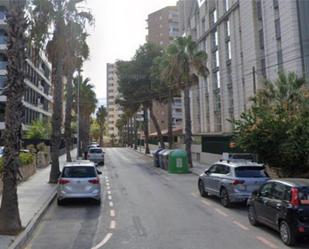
[[78, 113]]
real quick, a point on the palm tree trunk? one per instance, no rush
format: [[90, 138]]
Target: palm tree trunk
[[131, 133], [188, 129], [10, 222], [157, 127], [146, 130], [170, 120], [101, 135], [68, 117], [57, 74]]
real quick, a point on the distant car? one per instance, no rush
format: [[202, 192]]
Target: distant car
[[96, 155], [79, 179], [1, 151], [232, 180], [283, 205]]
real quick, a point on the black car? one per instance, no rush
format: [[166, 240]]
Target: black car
[[283, 205]]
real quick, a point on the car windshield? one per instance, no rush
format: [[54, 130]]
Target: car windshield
[[78, 172], [95, 151], [250, 171], [303, 195]]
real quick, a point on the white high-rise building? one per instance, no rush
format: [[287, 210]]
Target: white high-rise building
[[246, 42], [113, 110]]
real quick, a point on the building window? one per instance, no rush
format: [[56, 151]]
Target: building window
[[227, 29], [259, 9], [263, 67], [217, 58], [229, 50], [216, 80], [276, 4], [280, 60], [261, 39], [278, 29], [213, 17], [226, 5], [203, 25]]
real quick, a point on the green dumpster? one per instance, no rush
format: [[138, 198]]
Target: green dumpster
[[178, 162]]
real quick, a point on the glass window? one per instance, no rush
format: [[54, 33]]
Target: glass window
[[95, 151], [229, 51], [78, 172], [278, 191], [266, 190], [212, 169], [303, 195], [250, 171], [226, 5], [277, 29]]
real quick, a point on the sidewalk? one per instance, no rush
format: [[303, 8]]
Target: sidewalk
[[34, 196], [197, 169]]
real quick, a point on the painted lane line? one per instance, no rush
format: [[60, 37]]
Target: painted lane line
[[110, 197], [243, 227], [104, 241], [112, 213], [107, 184], [106, 177], [266, 242], [206, 203], [109, 192], [111, 204], [112, 225], [108, 187], [221, 212]]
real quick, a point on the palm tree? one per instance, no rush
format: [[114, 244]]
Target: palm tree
[[10, 222], [101, 118], [57, 14], [87, 106], [77, 51], [186, 64]]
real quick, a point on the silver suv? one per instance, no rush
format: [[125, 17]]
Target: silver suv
[[232, 180]]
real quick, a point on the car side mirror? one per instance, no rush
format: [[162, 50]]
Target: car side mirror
[[207, 172], [99, 172]]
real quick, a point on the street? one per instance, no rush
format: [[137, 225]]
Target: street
[[146, 208]]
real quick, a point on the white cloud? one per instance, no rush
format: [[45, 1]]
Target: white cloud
[[119, 30]]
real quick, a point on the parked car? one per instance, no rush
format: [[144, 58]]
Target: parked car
[[232, 180], [96, 155], [283, 205], [79, 179]]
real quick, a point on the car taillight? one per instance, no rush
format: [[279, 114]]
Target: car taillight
[[94, 181], [294, 197], [63, 181], [236, 182]]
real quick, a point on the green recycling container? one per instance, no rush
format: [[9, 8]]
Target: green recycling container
[[178, 162]]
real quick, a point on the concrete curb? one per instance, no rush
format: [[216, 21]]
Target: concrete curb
[[25, 235]]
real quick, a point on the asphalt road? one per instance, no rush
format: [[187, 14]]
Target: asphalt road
[[146, 208]]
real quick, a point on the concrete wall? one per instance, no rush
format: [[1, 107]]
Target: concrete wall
[[26, 171]]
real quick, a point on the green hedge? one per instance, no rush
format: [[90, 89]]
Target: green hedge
[[25, 159]]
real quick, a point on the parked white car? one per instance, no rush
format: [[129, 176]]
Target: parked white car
[[96, 155], [79, 179]]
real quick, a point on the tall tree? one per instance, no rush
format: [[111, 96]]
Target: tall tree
[[10, 222], [76, 52], [186, 64], [101, 118], [55, 15], [87, 106]]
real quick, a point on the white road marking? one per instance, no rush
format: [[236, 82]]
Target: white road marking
[[206, 203], [107, 184], [112, 225], [104, 241], [108, 187], [111, 204], [109, 192], [221, 212], [243, 227], [112, 213], [266, 242], [110, 197]]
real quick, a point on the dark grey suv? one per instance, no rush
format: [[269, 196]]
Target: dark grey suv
[[232, 180]]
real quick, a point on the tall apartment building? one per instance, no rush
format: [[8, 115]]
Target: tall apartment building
[[37, 99], [113, 110], [246, 42], [163, 28]]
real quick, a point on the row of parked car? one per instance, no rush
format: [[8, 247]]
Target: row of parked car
[[282, 204]]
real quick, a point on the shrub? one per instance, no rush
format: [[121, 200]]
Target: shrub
[[25, 159], [41, 147]]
